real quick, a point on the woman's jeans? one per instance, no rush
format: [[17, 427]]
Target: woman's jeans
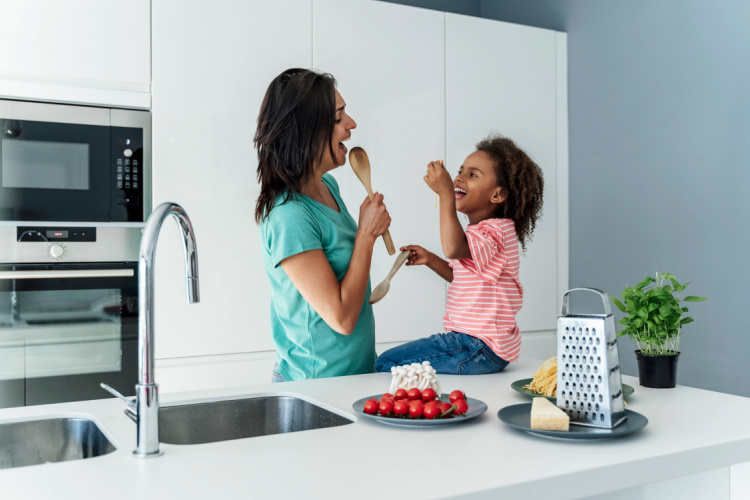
[[275, 375], [450, 353]]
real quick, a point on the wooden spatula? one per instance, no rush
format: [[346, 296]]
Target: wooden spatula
[[361, 165]]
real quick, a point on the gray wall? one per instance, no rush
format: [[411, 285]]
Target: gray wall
[[659, 128]]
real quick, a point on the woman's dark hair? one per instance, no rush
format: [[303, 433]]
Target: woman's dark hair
[[294, 132], [522, 181]]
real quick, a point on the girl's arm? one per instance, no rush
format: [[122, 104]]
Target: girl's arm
[[339, 303], [452, 234], [419, 256]]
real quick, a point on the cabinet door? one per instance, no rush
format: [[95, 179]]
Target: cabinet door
[[212, 65], [504, 78], [80, 51], [389, 63]]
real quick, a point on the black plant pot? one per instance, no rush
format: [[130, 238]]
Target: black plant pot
[[657, 370]]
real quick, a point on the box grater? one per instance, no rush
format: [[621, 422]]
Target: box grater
[[589, 383]]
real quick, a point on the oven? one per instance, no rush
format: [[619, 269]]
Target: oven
[[75, 192], [66, 163], [66, 328]]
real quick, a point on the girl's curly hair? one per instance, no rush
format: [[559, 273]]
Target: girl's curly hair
[[521, 179]]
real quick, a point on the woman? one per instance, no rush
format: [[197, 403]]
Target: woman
[[316, 256]]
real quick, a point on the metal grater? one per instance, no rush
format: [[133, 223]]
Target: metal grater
[[589, 383]]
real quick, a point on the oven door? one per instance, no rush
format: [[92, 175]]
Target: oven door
[[66, 328]]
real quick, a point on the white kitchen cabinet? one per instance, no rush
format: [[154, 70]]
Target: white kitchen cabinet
[[212, 65], [389, 63], [77, 51], [512, 80]]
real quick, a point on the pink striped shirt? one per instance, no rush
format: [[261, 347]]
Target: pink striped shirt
[[486, 294]]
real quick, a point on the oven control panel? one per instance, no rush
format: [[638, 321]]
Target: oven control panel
[[52, 234]]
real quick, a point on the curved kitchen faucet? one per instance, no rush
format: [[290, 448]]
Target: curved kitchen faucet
[[147, 391]]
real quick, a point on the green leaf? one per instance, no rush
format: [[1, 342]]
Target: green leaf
[[693, 298], [643, 313], [685, 321], [619, 305], [664, 311]]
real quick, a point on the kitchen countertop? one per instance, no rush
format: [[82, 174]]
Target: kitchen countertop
[[689, 431]]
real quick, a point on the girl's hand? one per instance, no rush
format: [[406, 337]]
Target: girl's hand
[[439, 179], [374, 219], [418, 256]]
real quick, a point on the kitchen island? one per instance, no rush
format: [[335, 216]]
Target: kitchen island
[[691, 439]]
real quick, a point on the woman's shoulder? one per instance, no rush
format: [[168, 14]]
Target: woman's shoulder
[[287, 207]]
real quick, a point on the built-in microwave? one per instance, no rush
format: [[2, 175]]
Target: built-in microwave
[[67, 163]]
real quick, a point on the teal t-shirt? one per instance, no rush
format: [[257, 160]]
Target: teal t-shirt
[[306, 347]]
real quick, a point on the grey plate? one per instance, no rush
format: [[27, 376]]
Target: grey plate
[[476, 408], [519, 384], [519, 417]]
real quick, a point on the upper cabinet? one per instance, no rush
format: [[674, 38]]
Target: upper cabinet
[[77, 51], [389, 63], [512, 80]]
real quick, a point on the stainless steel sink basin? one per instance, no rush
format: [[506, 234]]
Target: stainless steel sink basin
[[35, 442], [209, 422]]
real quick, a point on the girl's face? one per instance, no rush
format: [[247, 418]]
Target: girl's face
[[342, 132], [476, 190]]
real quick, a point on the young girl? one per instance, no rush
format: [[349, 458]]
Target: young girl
[[499, 188]]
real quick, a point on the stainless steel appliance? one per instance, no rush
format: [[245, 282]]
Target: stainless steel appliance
[[75, 192], [66, 328], [66, 163]]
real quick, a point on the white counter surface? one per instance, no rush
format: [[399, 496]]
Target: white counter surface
[[689, 431]]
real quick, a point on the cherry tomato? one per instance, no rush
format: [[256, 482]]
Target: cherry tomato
[[443, 407], [428, 394], [387, 395], [401, 407], [400, 394], [416, 409], [461, 407], [386, 407], [431, 411], [455, 395], [371, 406], [414, 393]]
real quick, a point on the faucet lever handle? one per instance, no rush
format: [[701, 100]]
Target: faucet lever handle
[[115, 393]]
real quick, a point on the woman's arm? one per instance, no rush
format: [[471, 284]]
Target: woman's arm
[[339, 303], [452, 234]]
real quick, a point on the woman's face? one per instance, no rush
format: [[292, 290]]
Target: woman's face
[[342, 132]]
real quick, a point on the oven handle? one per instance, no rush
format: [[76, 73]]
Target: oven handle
[[88, 273]]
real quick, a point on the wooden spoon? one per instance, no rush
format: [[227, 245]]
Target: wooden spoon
[[380, 290], [361, 165]]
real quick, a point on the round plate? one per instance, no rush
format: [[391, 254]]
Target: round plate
[[518, 387], [476, 408], [519, 417]]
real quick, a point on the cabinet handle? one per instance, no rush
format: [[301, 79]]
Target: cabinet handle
[[88, 273]]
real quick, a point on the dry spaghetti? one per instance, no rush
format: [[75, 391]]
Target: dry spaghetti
[[545, 379]]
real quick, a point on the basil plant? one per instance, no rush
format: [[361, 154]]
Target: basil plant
[[653, 315]]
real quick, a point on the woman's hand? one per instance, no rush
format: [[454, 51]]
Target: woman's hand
[[374, 219], [418, 256], [439, 179]]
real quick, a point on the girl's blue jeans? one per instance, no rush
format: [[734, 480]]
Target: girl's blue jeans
[[450, 353]]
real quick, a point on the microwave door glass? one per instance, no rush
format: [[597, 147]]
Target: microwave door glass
[[56, 172]]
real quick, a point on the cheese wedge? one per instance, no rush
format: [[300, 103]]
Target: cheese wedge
[[548, 417]]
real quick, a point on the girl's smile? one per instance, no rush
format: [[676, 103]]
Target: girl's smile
[[475, 187]]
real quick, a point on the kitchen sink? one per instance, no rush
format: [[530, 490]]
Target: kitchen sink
[[208, 422], [34, 442]]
